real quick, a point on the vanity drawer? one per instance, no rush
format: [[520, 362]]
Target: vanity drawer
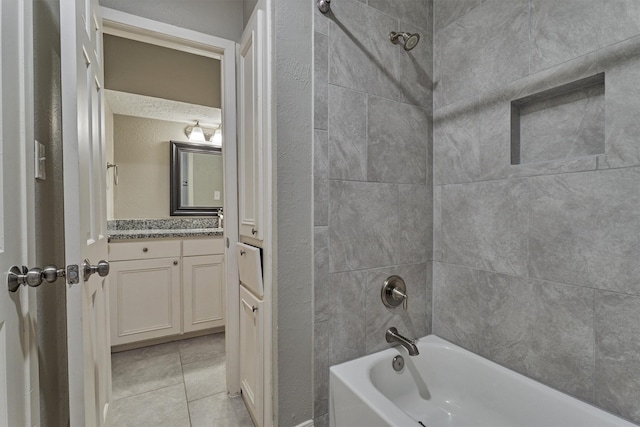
[[209, 246], [123, 251]]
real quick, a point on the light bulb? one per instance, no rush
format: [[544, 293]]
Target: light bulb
[[216, 139], [197, 134]]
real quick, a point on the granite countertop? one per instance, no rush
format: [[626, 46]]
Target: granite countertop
[[160, 233], [163, 228]]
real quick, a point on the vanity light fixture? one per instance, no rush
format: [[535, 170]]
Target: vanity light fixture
[[216, 138], [195, 134]]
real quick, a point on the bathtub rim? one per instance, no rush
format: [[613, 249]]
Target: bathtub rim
[[348, 372]]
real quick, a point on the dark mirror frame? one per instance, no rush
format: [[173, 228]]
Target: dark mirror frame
[[176, 149]]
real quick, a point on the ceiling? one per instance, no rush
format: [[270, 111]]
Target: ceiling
[[129, 104]]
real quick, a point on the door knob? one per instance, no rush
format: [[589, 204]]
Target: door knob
[[32, 277], [102, 268]]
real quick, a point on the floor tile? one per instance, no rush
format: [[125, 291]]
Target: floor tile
[[219, 410], [201, 348], [131, 377], [166, 407], [176, 384], [204, 378]]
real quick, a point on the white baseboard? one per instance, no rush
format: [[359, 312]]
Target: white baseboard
[[308, 423]]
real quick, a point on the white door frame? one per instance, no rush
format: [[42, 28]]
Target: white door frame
[[145, 30]]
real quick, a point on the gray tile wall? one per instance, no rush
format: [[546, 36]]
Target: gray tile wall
[[372, 179], [536, 264]]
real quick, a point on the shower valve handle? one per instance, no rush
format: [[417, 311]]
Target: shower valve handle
[[394, 293]]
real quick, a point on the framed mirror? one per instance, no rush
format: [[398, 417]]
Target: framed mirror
[[196, 179]]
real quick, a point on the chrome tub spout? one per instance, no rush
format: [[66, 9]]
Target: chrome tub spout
[[393, 336]]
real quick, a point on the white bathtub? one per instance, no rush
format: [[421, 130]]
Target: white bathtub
[[449, 386]]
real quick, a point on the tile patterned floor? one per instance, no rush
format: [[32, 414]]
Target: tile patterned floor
[[177, 384]]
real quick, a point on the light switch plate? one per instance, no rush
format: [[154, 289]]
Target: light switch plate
[[40, 158], [216, 195]]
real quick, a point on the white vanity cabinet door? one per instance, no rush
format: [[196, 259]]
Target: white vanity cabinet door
[[145, 299], [251, 352], [203, 287]]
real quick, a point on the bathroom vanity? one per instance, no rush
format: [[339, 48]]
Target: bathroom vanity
[[165, 282]]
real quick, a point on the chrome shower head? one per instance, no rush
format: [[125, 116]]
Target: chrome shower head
[[410, 40]]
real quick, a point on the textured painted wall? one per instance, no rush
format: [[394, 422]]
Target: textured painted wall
[[247, 8], [372, 179], [221, 18], [142, 153], [294, 216], [537, 263], [52, 315], [146, 69]]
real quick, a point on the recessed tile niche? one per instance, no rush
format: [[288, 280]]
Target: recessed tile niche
[[565, 122]]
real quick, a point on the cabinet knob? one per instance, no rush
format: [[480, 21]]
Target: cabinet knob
[[145, 249], [175, 262], [254, 231]]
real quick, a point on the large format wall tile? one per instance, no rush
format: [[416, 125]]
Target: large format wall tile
[[456, 156], [321, 273], [584, 229], [347, 134], [363, 225], [397, 150], [484, 225], [457, 314], [617, 387], [413, 323], [563, 127], [620, 20], [622, 95], [320, 177], [413, 70], [415, 224], [496, 125], [563, 30], [416, 12], [448, 11], [485, 312], [320, 22], [570, 224], [320, 84], [361, 54], [321, 368], [347, 326], [482, 50], [437, 223]]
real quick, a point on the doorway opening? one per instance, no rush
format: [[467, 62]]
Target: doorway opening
[[209, 356]]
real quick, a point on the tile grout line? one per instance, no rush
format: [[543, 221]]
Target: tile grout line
[[147, 391], [184, 387]]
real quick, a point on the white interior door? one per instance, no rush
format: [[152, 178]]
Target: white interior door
[[18, 346], [85, 212]]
